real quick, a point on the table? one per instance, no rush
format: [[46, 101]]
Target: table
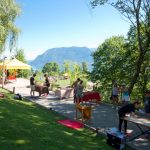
[[64, 93], [42, 89], [91, 96], [139, 121]]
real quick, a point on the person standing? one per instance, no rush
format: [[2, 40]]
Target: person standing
[[79, 91], [74, 85], [32, 84], [46, 83], [125, 94], [127, 109], [115, 92]]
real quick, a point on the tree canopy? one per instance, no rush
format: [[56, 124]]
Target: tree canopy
[[51, 68], [138, 14], [19, 54], [9, 10]]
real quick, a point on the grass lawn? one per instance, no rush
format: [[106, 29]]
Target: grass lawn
[[27, 126], [64, 82]]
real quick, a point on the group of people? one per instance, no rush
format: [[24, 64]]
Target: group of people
[[120, 91], [33, 83], [126, 108], [78, 90]]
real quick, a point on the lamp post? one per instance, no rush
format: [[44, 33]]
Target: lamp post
[[3, 72]]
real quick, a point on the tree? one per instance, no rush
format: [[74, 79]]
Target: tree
[[109, 63], [84, 67], [77, 70], [9, 10], [66, 67], [19, 54], [144, 76], [51, 68], [138, 13]]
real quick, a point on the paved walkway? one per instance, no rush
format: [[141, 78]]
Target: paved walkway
[[103, 116]]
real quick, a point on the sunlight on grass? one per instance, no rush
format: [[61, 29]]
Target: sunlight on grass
[[1, 117], [21, 142], [33, 116], [68, 133], [26, 103], [3, 90]]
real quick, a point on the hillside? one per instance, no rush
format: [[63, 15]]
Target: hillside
[[59, 55]]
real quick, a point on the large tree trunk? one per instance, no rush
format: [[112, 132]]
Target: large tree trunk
[[141, 51], [137, 72]]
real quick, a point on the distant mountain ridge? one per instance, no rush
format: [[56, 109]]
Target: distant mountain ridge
[[61, 54]]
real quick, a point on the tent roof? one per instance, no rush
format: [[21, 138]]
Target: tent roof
[[15, 64]]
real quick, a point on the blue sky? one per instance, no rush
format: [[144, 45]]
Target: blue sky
[[47, 24]]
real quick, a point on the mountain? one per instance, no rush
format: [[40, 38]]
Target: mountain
[[93, 49], [59, 55]]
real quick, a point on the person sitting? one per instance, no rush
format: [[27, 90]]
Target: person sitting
[[126, 109]]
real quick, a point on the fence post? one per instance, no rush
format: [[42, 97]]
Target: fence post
[[14, 90]]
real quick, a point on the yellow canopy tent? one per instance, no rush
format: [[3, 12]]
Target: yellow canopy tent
[[14, 64]]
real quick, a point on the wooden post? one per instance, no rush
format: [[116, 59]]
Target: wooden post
[[14, 90]]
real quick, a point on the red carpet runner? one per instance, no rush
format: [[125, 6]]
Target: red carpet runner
[[71, 124]]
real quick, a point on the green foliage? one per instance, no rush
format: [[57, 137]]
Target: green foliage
[[19, 54], [66, 67], [51, 68], [115, 60], [108, 59], [84, 67], [39, 77], [9, 10], [109, 64], [144, 75], [138, 46], [63, 83]]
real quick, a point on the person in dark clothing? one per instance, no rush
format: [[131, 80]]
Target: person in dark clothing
[[32, 84], [126, 109], [46, 83]]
